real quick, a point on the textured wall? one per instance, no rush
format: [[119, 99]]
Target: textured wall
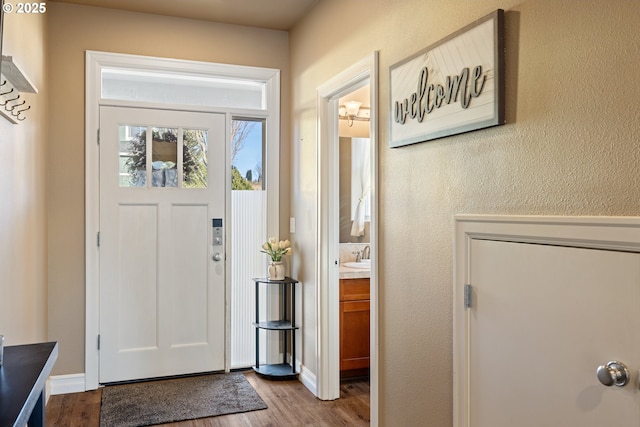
[[23, 225], [570, 147], [71, 31]]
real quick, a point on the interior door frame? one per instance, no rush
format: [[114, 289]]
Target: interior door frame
[[327, 274], [95, 62], [605, 233]]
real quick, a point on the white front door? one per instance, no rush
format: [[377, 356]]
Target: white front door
[[162, 275], [543, 318]]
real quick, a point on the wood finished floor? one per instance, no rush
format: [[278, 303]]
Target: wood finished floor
[[290, 404]]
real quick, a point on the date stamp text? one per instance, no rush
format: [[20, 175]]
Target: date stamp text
[[24, 8]]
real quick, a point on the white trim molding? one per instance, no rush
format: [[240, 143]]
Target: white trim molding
[[327, 273], [63, 384], [308, 379]]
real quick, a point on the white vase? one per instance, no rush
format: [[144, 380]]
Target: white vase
[[276, 270]]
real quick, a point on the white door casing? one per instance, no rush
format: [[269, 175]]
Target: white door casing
[[162, 293], [327, 380], [552, 299]]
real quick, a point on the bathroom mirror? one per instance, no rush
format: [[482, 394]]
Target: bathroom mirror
[[355, 184], [355, 168]]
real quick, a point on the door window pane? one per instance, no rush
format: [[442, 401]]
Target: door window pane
[[247, 154], [194, 153], [164, 158], [133, 156]]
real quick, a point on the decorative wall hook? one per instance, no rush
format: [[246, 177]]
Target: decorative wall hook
[[17, 113], [14, 107], [11, 98]]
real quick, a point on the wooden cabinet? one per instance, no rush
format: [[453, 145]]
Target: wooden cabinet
[[354, 327]]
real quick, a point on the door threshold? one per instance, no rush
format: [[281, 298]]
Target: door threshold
[[168, 377]]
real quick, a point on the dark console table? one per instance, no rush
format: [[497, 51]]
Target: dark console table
[[285, 324], [22, 383]]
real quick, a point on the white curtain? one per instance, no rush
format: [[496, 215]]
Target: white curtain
[[360, 184]]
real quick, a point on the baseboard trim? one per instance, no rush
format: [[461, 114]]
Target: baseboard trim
[[309, 380], [75, 383], [63, 384]]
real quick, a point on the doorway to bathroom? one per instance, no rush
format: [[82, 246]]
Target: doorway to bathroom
[[358, 223], [354, 182]]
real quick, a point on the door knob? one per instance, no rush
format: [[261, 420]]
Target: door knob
[[217, 256], [613, 373]]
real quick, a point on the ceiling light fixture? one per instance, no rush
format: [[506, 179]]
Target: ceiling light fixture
[[351, 111]]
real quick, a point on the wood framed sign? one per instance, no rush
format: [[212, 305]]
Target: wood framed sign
[[453, 86]]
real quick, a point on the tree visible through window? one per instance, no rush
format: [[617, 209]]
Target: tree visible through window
[[164, 157], [247, 154]]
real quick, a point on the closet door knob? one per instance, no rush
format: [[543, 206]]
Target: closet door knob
[[613, 373]]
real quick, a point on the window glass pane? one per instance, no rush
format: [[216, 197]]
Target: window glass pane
[[164, 158], [247, 154], [195, 158], [181, 88], [133, 156]]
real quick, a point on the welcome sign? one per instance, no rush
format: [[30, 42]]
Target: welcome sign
[[451, 87]]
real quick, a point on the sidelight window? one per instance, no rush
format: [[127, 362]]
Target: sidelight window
[[247, 154]]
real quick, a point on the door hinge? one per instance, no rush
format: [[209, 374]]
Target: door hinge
[[467, 296], [98, 342], [98, 239], [98, 136]]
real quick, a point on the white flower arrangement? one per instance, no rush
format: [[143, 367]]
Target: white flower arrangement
[[277, 249]]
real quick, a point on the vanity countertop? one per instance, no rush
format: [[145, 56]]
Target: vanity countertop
[[354, 273]]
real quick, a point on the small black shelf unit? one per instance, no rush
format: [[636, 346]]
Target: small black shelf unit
[[285, 324]]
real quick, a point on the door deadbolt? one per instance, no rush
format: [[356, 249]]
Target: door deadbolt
[[217, 256], [613, 373]]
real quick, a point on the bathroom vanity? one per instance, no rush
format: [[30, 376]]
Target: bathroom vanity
[[354, 295], [354, 327]]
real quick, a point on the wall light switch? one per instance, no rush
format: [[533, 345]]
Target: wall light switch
[[292, 225]]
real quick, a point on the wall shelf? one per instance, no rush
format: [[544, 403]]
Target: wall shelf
[[15, 76], [13, 83]]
